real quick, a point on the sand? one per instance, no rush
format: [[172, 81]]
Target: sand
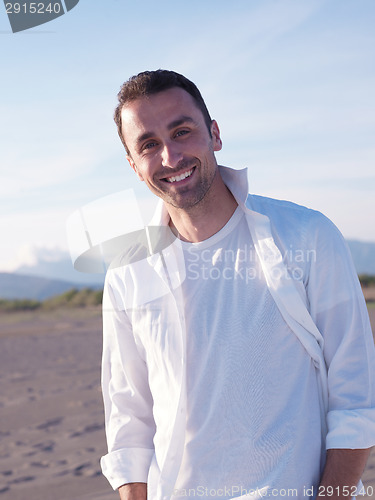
[[51, 410]]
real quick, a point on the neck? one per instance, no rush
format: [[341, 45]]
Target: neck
[[207, 217]]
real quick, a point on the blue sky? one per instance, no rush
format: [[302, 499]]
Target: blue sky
[[290, 82]]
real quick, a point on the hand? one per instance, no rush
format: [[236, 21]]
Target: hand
[[133, 491], [342, 473]]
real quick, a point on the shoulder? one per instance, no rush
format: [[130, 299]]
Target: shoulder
[[308, 240], [290, 221], [281, 209]]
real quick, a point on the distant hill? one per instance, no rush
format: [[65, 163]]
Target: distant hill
[[48, 278], [363, 254], [58, 265], [61, 269], [19, 286]]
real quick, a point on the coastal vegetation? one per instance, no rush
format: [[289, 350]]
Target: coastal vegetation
[[87, 297], [367, 280], [73, 298]]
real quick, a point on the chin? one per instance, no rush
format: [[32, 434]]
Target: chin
[[184, 203]]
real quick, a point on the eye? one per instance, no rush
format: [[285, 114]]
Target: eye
[[149, 145], [182, 132]]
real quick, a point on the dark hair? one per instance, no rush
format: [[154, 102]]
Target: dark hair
[[152, 82]]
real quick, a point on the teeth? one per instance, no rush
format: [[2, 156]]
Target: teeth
[[180, 177]]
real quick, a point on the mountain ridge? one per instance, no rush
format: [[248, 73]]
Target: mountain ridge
[[363, 255], [21, 286], [48, 278]]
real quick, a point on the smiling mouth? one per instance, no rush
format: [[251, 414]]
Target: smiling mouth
[[180, 177]]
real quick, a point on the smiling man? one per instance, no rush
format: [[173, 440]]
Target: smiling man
[[233, 367], [171, 148]]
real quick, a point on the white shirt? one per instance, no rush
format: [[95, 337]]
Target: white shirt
[[249, 420], [144, 353]]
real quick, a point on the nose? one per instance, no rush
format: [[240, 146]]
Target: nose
[[171, 154]]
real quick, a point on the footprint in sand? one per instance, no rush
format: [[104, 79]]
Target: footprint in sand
[[50, 423]]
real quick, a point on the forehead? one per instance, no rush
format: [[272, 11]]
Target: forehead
[[153, 112]]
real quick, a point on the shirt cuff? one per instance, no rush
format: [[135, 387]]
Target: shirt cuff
[[352, 429], [127, 465]]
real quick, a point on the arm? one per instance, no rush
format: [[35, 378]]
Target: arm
[[133, 491], [129, 422], [339, 311], [342, 473]]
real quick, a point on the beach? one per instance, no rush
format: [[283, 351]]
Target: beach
[[52, 421]]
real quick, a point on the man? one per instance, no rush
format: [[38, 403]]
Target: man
[[239, 351]]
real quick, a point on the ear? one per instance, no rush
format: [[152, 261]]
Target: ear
[[134, 167], [216, 136]]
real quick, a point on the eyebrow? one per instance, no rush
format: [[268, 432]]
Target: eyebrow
[[180, 121], [176, 123]]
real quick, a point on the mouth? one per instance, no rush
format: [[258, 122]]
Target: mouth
[[180, 177]]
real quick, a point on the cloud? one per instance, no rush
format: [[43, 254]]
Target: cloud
[[31, 255], [30, 230], [29, 235]]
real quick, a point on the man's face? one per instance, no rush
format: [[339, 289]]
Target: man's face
[[170, 147]]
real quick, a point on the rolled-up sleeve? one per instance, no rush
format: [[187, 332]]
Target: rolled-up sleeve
[[339, 311], [128, 403]]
